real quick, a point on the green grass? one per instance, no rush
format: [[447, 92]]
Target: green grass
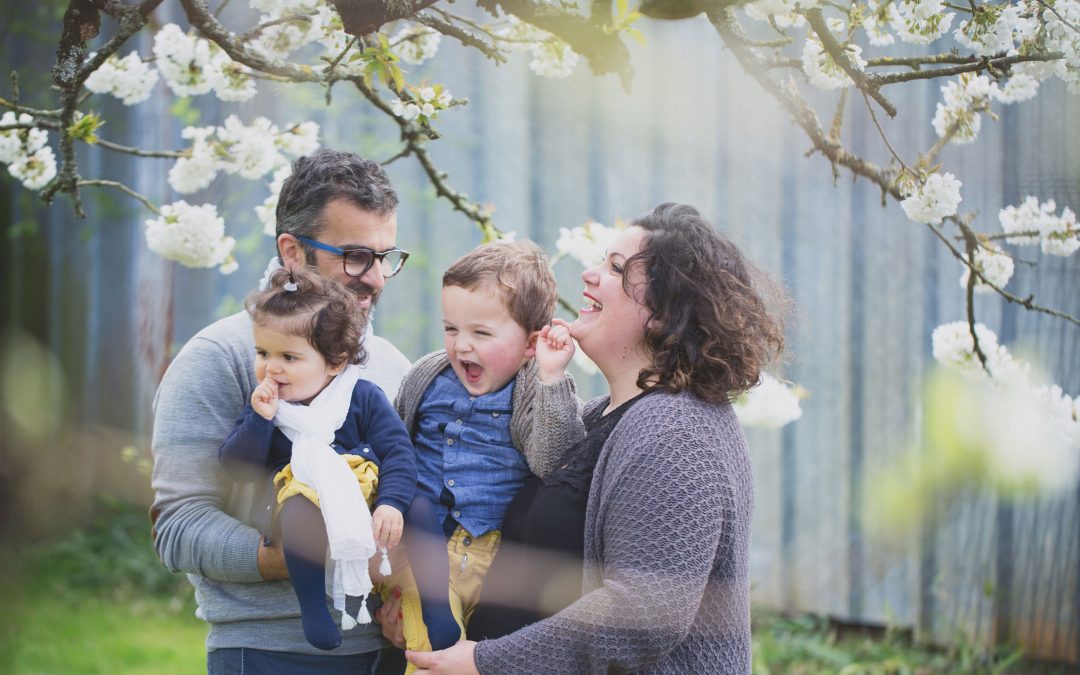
[[99, 601]]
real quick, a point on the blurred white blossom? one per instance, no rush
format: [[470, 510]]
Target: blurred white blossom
[[822, 71], [769, 405], [586, 243], [16, 143], [553, 58], [35, 170], [249, 150], [415, 44], [267, 211], [920, 22], [183, 60], [194, 236], [1058, 235]]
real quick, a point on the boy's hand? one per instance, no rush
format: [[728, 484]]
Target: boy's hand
[[554, 349], [386, 523], [264, 398]]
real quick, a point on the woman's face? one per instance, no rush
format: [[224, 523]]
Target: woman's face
[[611, 324]]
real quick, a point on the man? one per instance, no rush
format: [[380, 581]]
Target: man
[[338, 214]]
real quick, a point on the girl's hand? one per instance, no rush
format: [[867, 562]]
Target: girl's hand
[[265, 397], [387, 523], [456, 660], [554, 349]]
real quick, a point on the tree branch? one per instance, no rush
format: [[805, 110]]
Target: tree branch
[[973, 67], [462, 35], [362, 17]]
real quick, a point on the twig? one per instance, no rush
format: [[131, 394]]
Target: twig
[[971, 245], [973, 67], [255, 32], [1055, 13], [463, 36], [138, 152], [122, 188], [405, 152], [881, 132]]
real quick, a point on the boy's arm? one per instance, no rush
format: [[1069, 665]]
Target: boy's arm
[[246, 452], [194, 410], [384, 431]]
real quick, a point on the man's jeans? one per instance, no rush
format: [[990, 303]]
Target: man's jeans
[[246, 661]]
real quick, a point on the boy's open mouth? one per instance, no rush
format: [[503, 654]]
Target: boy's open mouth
[[591, 305], [472, 371]]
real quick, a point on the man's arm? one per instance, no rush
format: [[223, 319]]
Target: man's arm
[[194, 411]]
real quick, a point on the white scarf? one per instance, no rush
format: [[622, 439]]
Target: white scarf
[[348, 521]]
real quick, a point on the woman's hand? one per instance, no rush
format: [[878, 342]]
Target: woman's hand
[[264, 398], [554, 349], [386, 524], [389, 617], [456, 660]]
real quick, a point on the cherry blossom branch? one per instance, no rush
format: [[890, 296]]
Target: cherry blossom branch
[[123, 188], [971, 245], [429, 19], [881, 132], [865, 84], [1026, 303], [1059, 17], [255, 32], [138, 152], [81, 22]]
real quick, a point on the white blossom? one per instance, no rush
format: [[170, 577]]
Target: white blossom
[[299, 140], [128, 79], [553, 58], [36, 169], [200, 167], [415, 44], [231, 81], [250, 150], [920, 21], [586, 243], [406, 111], [822, 71], [993, 264], [987, 38], [1020, 87], [877, 31], [937, 198], [785, 13], [267, 211], [194, 236], [769, 405], [1058, 235], [183, 60], [17, 143], [964, 99], [954, 348]]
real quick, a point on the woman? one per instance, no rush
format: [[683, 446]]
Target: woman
[[674, 322]]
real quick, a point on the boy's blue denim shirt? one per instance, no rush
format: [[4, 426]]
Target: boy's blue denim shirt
[[463, 445]]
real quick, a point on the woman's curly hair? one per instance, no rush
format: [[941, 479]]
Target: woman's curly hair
[[318, 309], [710, 329]]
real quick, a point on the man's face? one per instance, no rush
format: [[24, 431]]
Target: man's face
[[346, 225]]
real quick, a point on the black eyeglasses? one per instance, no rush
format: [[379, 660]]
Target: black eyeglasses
[[357, 261]]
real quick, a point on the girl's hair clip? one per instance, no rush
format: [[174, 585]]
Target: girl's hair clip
[[290, 286]]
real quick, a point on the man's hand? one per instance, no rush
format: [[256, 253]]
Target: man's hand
[[272, 562], [386, 524], [554, 349], [456, 660], [390, 618], [265, 397]]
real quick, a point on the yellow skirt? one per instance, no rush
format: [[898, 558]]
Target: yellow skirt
[[366, 472]]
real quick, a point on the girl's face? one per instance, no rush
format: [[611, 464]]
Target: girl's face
[[299, 369], [611, 324]]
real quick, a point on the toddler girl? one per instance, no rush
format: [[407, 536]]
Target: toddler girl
[[328, 438]]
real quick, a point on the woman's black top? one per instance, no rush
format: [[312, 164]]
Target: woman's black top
[[538, 569]]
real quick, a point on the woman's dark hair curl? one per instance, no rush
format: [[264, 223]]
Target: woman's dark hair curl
[[316, 308], [711, 330]]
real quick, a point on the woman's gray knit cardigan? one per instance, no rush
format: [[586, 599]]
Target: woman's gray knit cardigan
[[667, 545], [544, 424]]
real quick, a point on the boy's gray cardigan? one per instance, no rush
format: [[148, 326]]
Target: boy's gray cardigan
[[546, 418]]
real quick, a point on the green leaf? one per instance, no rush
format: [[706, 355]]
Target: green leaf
[[637, 35], [399, 78]]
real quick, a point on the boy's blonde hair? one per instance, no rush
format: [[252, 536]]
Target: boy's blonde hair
[[521, 273]]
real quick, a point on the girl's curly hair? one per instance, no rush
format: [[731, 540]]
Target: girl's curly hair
[[710, 329], [318, 309]]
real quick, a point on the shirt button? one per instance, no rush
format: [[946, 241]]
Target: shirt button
[[495, 414], [457, 514], [450, 482], [472, 398], [457, 421], [366, 449], [449, 441], [467, 541]]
